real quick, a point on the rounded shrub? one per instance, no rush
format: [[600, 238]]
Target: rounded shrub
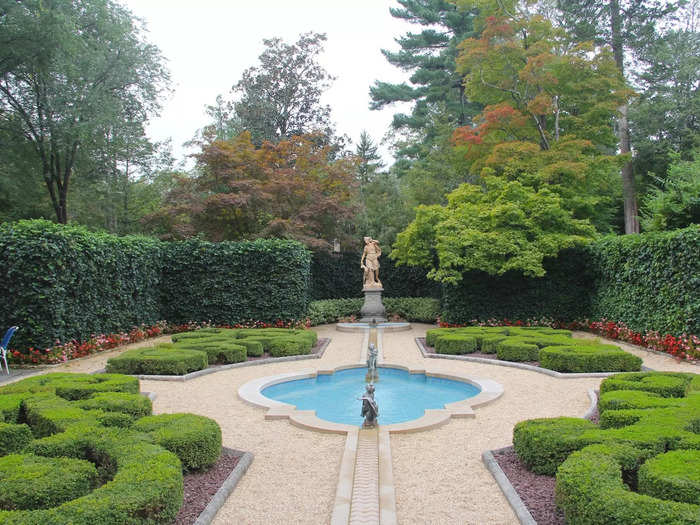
[[135, 405], [220, 352], [674, 475], [588, 358], [666, 384], [14, 438], [517, 349], [196, 440], [432, 335], [29, 482], [631, 399], [543, 444], [264, 340], [456, 343], [287, 346], [490, 343], [253, 348], [591, 489], [164, 359]]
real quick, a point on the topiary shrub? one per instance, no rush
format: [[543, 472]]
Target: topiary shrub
[[288, 346], [14, 438], [220, 352], [432, 335], [29, 482], [253, 348], [490, 343], [418, 309], [135, 405], [588, 358], [543, 444], [634, 399], [196, 440], [456, 344], [10, 406], [517, 349], [666, 384], [590, 489], [674, 475], [163, 359], [74, 386]]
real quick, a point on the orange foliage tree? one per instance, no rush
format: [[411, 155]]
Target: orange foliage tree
[[292, 189]]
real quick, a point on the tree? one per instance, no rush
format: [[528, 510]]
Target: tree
[[549, 105], [503, 226], [430, 56], [281, 97], [288, 189], [627, 26], [676, 203], [69, 70], [369, 161]]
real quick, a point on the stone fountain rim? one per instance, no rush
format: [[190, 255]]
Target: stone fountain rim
[[251, 393]]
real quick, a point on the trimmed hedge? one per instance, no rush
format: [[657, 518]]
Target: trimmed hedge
[[196, 440], [456, 344], [29, 482], [517, 349], [588, 358], [14, 438], [230, 282], [253, 348], [674, 475], [665, 384], [163, 359], [418, 309], [220, 352], [73, 386], [135, 405]]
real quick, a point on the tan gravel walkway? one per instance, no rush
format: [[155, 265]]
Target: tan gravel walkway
[[438, 474]]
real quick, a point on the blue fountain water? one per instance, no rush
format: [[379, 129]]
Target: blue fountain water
[[401, 396]]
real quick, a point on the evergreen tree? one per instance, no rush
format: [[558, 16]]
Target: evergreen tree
[[369, 161]]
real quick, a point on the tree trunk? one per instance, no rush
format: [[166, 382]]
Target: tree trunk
[[629, 192]]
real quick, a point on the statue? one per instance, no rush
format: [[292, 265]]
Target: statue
[[370, 263], [370, 410], [372, 363]]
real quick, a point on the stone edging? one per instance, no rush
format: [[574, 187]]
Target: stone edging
[[214, 369], [514, 500], [251, 393], [508, 490], [218, 500], [513, 364]]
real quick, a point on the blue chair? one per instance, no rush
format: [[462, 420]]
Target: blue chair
[[4, 346]]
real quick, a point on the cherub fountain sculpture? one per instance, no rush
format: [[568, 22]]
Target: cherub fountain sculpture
[[370, 410]]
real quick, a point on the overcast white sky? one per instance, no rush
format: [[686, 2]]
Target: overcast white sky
[[209, 43]]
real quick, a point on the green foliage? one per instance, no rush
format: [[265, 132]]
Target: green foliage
[[285, 346], [196, 440], [504, 227], [590, 489], [253, 348], [674, 475], [14, 438], [135, 405], [665, 384], [10, 405], [588, 358], [330, 310], [633, 399], [65, 283], [163, 359], [418, 309], [219, 352], [231, 282], [517, 349], [677, 203], [455, 344], [73, 386], [29, 482], [340, 276]]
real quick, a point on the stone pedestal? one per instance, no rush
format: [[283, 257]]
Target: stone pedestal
[[373, 307]]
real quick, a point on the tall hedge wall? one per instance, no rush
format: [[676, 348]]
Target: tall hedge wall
[[563, 293], [340, 277], [229, 282], [649, 281], [65, 283]]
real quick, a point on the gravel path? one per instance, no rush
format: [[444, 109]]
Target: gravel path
[[438, 474]]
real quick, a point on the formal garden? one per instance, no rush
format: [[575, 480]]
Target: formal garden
[[489, 316]]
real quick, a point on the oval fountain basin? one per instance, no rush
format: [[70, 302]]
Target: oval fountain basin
[[400, 396]]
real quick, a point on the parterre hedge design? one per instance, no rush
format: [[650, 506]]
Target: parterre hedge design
[[554, 349], [87, 452], [191, 351], [638, 466]]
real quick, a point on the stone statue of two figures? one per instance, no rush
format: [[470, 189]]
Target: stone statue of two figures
[[370, 410]]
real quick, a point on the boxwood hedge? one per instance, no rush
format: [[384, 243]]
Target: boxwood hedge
[[162, 359], [456, 343], [588, 358]]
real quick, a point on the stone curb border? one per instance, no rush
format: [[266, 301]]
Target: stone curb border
[[513, 364], [514, 500], [251, 393], [508, 490], [217, 501], [214, 369]]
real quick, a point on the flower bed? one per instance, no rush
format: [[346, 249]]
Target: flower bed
[[62, 352], [682, 347]]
